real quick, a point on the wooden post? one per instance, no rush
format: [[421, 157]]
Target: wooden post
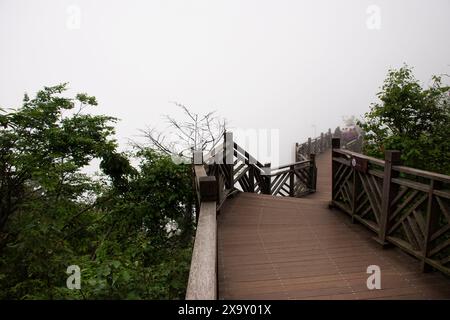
[[356, 185], [267, 179], [392, 158], [291, 181], [329, 138], [228, 153], [322, 142], [197, 159], [309, 151], [208, 188], [296, 153], [335, 144], [313, 172], [432, 223]]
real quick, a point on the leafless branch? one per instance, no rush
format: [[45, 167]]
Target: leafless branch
[[195, 132]]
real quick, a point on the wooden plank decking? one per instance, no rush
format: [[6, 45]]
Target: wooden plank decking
[[287, 248]]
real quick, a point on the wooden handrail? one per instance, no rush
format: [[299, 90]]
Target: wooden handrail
[[359, 155], [291, 164], [202, 283], [423, 173]]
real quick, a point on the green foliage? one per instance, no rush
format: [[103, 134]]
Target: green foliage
[[115, 227], [411, 119]]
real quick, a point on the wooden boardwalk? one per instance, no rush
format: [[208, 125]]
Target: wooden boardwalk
[[296, 248]]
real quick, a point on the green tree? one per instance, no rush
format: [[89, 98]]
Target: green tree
[[130, 231], [43, 149], [412, 119], [146, 248]]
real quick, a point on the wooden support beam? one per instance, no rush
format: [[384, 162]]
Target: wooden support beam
[[392, 158]]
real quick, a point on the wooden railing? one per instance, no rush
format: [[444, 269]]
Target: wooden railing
[[226, 170], [313, 146], [406, 207], [322, 143], [242, 172]]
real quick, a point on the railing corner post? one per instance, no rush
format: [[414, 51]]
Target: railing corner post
[[392, 158]]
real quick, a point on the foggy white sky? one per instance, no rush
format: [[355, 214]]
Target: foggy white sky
[[284, 65]]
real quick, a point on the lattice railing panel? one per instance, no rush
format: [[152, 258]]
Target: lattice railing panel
[[343, 186], [407, 222], [440, 239], [368, 200], [406, 207]]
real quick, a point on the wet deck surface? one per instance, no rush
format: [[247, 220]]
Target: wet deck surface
[[287, 248]]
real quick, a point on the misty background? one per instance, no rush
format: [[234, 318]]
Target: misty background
[[293, 66]]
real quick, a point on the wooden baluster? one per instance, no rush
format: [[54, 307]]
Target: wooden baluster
[[432, 223], [392, 158]]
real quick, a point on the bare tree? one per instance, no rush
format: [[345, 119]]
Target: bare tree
[[195, 132]]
